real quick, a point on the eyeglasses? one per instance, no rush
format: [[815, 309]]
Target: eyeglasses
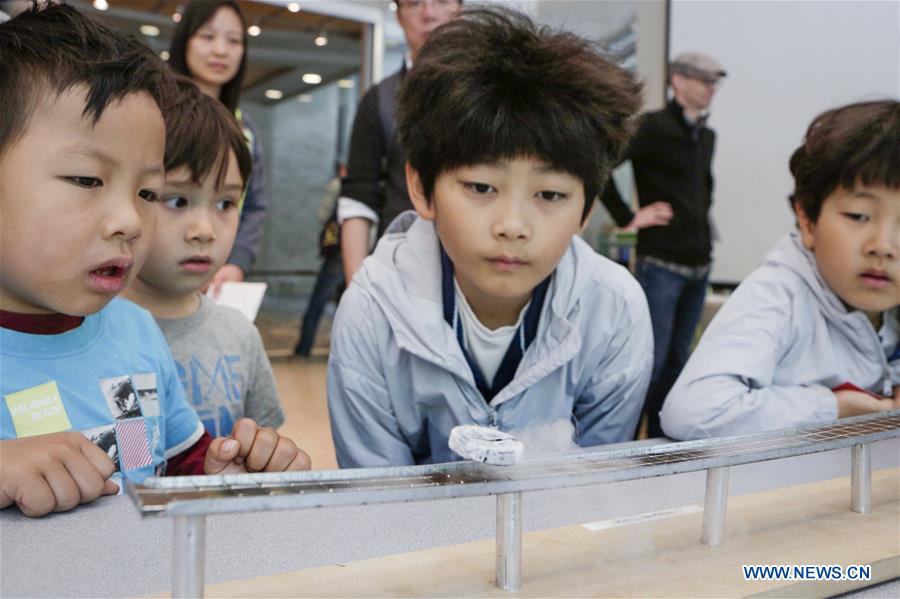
[[417, 5], [706, 80]]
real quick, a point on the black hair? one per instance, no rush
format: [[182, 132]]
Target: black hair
[[490, 85], [200, 132], [854, 143], [194, 16], [51, 47]]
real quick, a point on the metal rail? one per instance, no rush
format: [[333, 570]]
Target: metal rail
[[194, 497]]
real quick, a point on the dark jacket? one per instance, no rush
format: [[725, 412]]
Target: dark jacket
[[672, 162], [255, 205], [376, 173]]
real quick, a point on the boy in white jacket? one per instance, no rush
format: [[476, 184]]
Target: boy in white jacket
[[812, 334], [487, 308]]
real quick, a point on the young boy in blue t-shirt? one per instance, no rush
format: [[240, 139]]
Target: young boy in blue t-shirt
[[488, 308], [89, 388], [218, 352], [813, 333]]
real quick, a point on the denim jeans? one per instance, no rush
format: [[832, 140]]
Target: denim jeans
[[676, 303], [330, 277]]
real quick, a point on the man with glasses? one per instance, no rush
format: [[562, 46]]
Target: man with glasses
[[671, 156], [374, 190]]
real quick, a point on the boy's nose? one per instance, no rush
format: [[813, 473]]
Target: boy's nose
[[885, 242], [511, 222], [200, 230], [125, 222]]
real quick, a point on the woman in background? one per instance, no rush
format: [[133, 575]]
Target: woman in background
[[210, 47]]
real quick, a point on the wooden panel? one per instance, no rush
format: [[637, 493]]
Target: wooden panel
[[808, 524]]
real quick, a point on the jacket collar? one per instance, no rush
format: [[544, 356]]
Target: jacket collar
[[790, 253], [676, 111], [403, 277]]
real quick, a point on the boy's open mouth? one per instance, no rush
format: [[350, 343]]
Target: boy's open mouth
[[110, 276]]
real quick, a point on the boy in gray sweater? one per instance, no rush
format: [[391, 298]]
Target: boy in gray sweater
[[218, 352]]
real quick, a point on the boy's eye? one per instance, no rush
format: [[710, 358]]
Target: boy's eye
[[175, 202], [89, 182], [479, 188], [551, 196], [856, 216], [148, 195], [225, 204]]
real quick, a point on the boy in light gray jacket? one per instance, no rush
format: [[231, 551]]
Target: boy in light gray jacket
[[486, 307], [812, 334]]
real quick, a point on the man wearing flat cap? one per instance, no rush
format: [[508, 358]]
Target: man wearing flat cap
[[671, 156]]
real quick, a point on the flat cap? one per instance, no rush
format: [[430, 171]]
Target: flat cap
[[697, 63]]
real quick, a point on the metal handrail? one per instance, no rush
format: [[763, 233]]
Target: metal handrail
[[201, 495], [189, 499]]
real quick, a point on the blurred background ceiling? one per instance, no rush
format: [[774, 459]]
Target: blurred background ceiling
[[289, 44]]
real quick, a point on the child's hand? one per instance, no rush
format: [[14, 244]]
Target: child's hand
[[856, 403], [53, 473], [897, 397], [251, 448]]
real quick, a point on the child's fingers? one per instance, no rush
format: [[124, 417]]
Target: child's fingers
[[301, 461], [220, 454], [65, 489], [89, 479], [109, 488], [262, 449], [35, 497], [98, 458], [244, 432], [283, 455]]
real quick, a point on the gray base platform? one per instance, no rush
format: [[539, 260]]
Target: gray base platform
[[107, 549]]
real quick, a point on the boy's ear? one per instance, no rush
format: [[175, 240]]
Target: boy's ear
[[587, 217], [807, 227], [416, 191]]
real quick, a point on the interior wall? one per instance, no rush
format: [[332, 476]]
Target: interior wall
[[787, 62], [300, 144]]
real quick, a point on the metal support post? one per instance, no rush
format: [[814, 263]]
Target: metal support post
[[188, 556], [861, 479], [509, 541], [714, 507]]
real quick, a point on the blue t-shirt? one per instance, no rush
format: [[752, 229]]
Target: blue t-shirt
[[112, 379]]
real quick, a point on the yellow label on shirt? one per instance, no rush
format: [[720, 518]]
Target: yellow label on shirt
[[38, 410]]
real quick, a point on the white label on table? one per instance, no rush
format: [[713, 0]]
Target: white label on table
[[646, 517]]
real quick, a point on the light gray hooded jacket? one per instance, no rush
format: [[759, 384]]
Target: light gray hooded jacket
[[398, 381], [772, 354]]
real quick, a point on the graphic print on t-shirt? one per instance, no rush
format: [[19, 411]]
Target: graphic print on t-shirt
[[214, 389], [37, 410], [134, 450], [145, 384], [104, 437], [121, 397]]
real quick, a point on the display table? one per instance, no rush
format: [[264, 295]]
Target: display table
[[107, 549], [657, 554]]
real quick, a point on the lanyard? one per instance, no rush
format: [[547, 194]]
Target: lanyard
[[525, 334]]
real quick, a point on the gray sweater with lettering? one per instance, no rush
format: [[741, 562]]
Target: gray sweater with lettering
[[223, 366]]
